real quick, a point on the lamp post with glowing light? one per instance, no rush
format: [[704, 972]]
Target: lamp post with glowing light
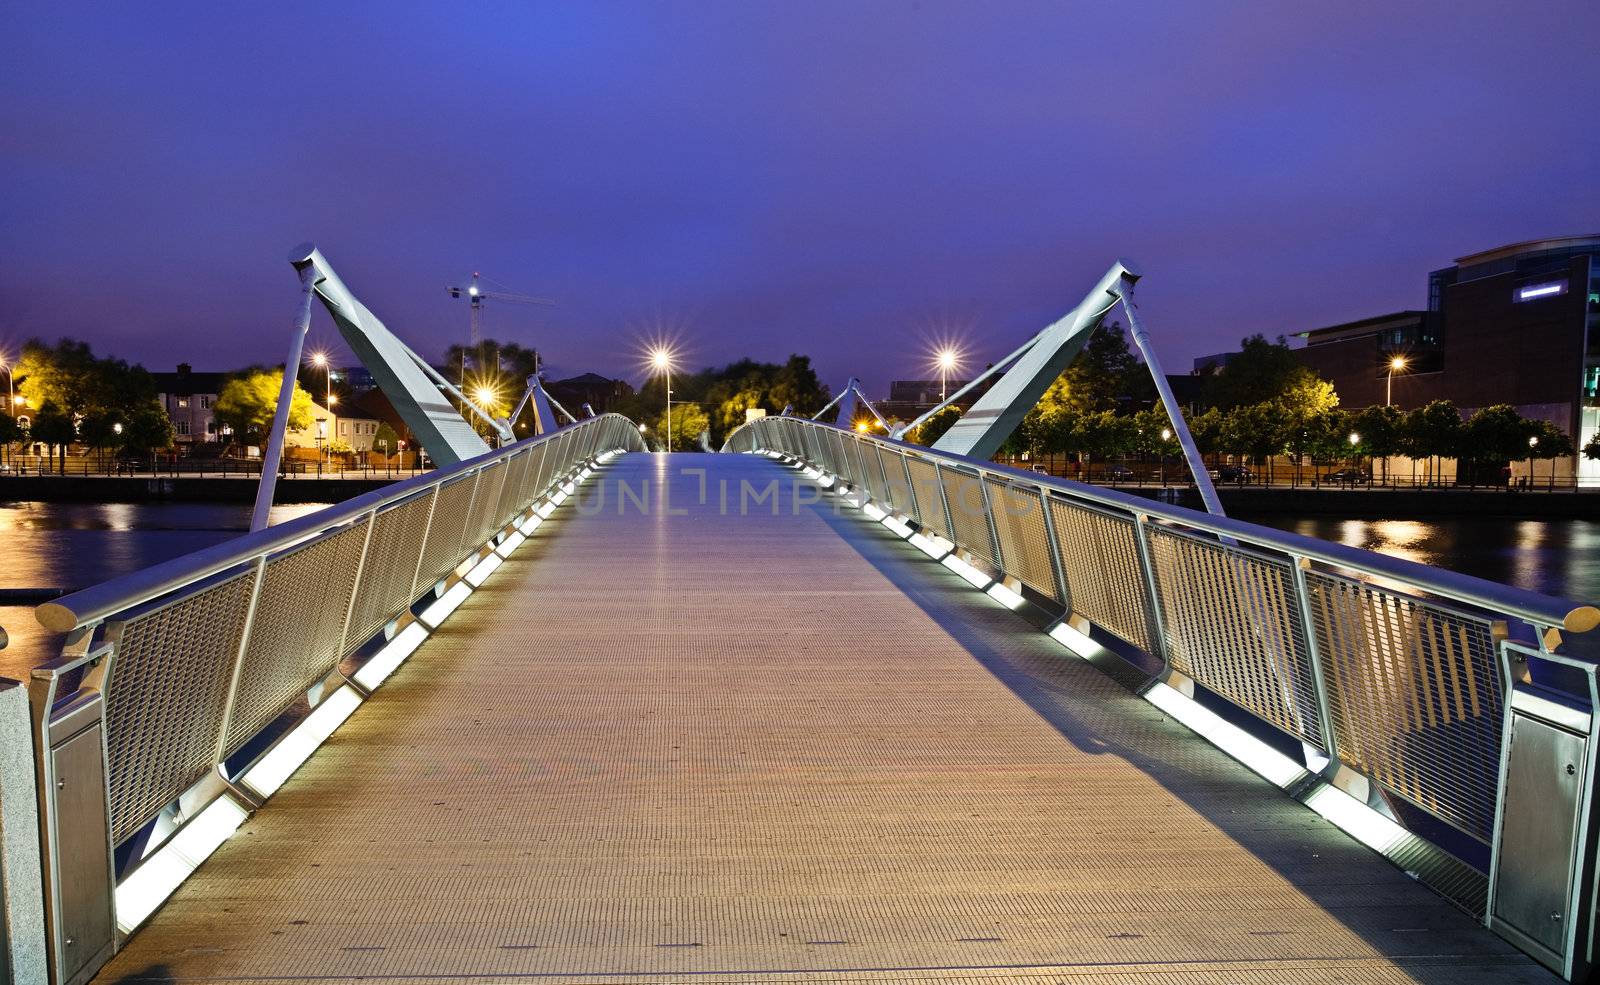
[[1533, 442], [1398, 362], [948, 359], [661, 359], [1166, 436]]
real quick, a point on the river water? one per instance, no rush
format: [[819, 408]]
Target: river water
[[74, 545]]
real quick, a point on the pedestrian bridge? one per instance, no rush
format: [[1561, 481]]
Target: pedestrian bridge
[[833, 709]]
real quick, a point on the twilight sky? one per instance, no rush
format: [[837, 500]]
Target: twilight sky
[[848, 180]]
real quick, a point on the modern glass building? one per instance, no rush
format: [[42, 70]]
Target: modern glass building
[[1518, 324]]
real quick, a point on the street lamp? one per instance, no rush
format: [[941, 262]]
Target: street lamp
[[1398, 362], [948, 359], [661, 359], [1533, 442], [11, 379]]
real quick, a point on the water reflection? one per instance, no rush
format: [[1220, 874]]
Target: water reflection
[[1557, 557], [74, 545]]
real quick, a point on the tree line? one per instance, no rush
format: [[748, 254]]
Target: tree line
[[1264, 404]]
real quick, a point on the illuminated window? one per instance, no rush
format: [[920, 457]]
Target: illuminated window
[[1533, 292]]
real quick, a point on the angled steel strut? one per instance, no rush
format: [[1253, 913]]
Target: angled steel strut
[[850, 395], [1029, 370]]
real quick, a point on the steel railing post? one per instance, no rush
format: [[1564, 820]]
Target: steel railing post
[[355, 586], [1157, 624], [1053, 545], [238, 658], [1302, 603]]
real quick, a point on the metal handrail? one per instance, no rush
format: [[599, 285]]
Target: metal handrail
[[94, 604], [1543, 610]]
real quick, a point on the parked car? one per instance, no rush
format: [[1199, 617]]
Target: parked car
[[1039, 469], [1117, 473], [1348, 476], [1234, 473]]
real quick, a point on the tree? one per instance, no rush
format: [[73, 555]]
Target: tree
[[1255, 430], [1261, 371], [146, 430], [248, 402], [386, 441], [1591, 450], [10, 432], [99, 430], [1548, 441], [1495, 434], [54, 427], [688, 420], [934, 427], [729, 391], [1432, 431], [1380, 428]]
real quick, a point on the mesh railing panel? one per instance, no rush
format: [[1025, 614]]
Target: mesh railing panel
[[1232, 624], [1414, 694], [894, 477], [485, 506], [1024, 539], [841, 465], [928, 495], [866, 465], [295, 635], [511, 493], [164, 703], [391, 566], [969, 513], [808, 445], [445, 533], [1099, 556], [541, 480]]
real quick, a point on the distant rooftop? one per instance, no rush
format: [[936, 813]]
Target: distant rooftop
[[1531, 246]]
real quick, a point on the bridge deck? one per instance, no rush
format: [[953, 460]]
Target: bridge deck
[[738, 748]]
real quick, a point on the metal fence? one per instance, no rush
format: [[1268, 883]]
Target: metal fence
[[1384, 665], [169, 673]]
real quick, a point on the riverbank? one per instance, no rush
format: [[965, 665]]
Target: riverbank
[[1411, 504], [181, 489]]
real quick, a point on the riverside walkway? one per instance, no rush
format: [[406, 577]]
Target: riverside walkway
[[697, 743]]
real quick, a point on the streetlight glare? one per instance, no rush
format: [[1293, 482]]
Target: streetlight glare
[[483, 395], [319, 358], [661, 358], [1398, 362], [1355, 439], [861, 426], [1166, 434]]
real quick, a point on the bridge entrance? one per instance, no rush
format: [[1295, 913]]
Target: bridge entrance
[[701, 739]]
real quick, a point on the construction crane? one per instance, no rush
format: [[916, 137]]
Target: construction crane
[[477, 295]]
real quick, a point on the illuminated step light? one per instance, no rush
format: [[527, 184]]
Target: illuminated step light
[[484, 569], [148, 887], [965, 570], [271, 770], [1278, 769], [568, 489], [934, 547], [826, 481], [560, 497], [393, 654], [510, 544], [899, 526], [872, 510], [1005, 596], [545, 509], [531, 524], [811, 473], [436, 613], [1356, 819]]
